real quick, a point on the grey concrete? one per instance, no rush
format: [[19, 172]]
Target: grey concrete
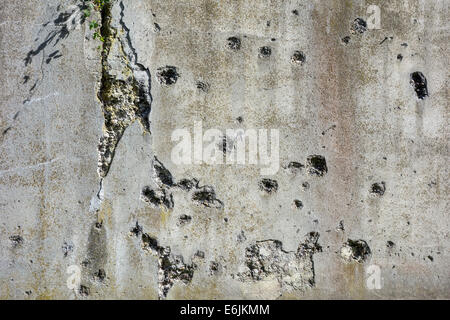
[[382, 204]]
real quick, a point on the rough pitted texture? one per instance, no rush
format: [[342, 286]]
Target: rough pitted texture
[[89, 189], [293, 270]]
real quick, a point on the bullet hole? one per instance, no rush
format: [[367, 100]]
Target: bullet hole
[[399, 57], [206, 196], [419, 82], [240, 119], [268, 185], [265, 52], [85, 263], [184, 219], [355, 250], [295, 167], [305, 186], [214, 268], [358, 26], [295, 12], [273, 39], [390, 244], [28, 293], [16, 240], [100, 275], [340, 226], [298, 204], [431, 258], [67, 249], [378, 188], [241, 237], [298, 57], [156, 28], [84, 291], [404, 44], [317, 165], [149, 243], [234, 43], [346, 39], [200, 254], [98, 225], [162, 176], [187, 184], [225, 220], [268, 23], [157, 198], [203, 86], [136, 230], [167, 75]]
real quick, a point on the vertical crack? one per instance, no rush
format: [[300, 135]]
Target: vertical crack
[[124, 88]]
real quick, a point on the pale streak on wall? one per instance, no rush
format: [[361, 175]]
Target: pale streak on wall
[[48, 156]]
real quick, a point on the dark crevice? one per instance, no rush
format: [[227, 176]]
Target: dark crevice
[[171, 268], [123, 100]]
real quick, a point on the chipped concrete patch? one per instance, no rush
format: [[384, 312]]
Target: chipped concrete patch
[[267, 260]]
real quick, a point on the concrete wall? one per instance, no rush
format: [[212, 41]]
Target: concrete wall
[[92, 205]]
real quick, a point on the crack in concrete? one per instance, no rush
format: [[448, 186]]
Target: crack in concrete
[[124, 89]]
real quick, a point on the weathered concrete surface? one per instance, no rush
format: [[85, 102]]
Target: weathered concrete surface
[[383, 200]]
